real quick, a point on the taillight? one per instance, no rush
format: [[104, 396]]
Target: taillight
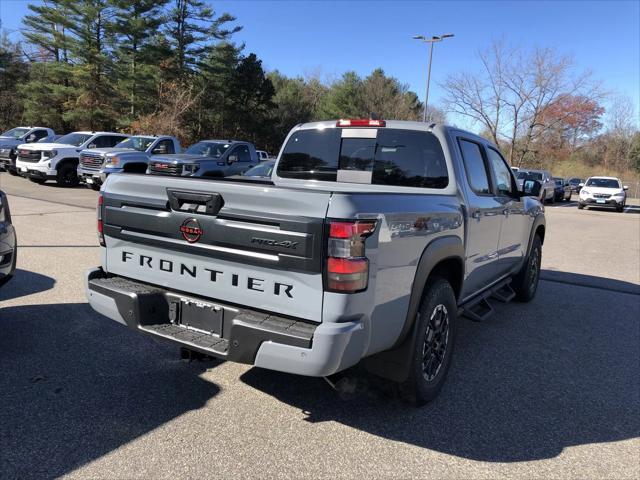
[[345, 122], [347, 268], [100, 226]]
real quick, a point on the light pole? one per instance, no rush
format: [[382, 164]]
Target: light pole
[[432, 40]]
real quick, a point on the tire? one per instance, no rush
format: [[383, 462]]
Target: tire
[[580, 206], [543, 198], [12, 171], [67, 175], [620, 209], [94, 187], [39, 181], [553, 198], [434, 336], [525, 283]]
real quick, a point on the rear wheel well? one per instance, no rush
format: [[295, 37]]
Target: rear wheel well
[[451, 270]]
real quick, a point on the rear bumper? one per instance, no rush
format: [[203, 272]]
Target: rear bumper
[[245, 335]]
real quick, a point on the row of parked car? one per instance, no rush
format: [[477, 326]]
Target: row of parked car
[[87, 157], [595, 191]]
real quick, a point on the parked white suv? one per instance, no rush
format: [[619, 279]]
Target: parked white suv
[[603, 192], [59, 161]]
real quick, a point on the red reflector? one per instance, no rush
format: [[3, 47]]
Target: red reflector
[[351, 229], [100, 226], [360, 123], [347, 265]]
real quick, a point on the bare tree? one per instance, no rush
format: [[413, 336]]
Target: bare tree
[[512, 94]]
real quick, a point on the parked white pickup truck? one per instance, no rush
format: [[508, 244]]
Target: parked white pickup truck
[[59, 161], [10, 140]]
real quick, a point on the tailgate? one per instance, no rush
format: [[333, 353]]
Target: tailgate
[[254, 245]]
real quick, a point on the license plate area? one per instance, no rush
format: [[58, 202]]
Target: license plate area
[[201, 316], [601, 201]]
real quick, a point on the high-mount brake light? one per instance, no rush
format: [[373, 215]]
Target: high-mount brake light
[[100, 225], [346, 122], [347, 268]]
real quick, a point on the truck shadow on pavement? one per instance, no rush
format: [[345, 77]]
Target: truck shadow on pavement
[[531, 381], [72, 389], [24, 283]]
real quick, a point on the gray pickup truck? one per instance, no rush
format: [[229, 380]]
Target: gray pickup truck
[[367, 244], [129, 156], [207, 158]]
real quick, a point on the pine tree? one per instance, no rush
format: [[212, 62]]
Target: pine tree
[[138, 53], [191, 27], [49, 87], [13, 72], [90, 21]]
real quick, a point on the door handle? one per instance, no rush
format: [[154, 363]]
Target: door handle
[[505, 212], [476, 214]]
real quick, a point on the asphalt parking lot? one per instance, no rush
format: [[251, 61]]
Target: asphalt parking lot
[[544, 390]]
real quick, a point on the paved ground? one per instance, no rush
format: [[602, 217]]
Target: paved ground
[[547, 389]]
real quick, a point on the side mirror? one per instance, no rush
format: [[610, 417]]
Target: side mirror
[[531, 188], [232, 159], [625, 187], [581, 184], [92, 145], [31, 138]]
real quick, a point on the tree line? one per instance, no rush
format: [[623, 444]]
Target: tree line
[[168, 66], [173, 67]]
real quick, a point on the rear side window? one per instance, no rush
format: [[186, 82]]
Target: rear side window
[[474, 165], [395, 157]]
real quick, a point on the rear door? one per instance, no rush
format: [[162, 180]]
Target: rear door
[[515, 224], [245, 244], [484, 219]]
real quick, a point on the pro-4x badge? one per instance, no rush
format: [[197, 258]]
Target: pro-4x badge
[[191, 230]]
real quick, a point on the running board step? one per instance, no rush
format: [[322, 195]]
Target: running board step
[[504, 294], [479, 312]]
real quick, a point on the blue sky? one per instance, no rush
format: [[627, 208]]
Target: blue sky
[[298, 38]]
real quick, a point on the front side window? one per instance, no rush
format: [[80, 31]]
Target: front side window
[[163, 147], [208, 149], [75, 139], [243, 154], [501, 171], [106, 141], [40, 134], [477, 174], [136, 143]]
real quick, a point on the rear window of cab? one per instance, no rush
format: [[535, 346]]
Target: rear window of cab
[[404, 158]]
